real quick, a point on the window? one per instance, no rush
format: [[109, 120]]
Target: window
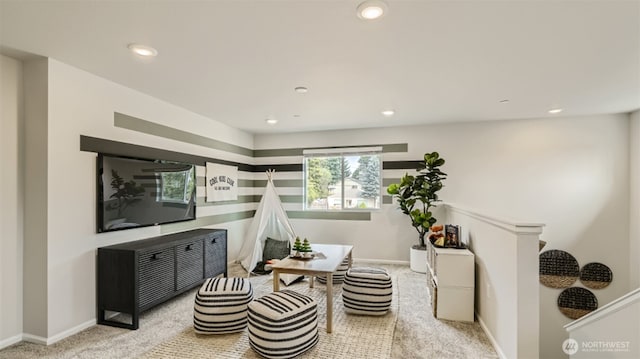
[[177, 185], [342, 179]]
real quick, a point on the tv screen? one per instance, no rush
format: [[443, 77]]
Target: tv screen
[[136, 193]]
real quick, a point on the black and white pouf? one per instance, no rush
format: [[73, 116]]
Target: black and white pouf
[[367, 291], [283, 324], [221, 305], [338, 275]]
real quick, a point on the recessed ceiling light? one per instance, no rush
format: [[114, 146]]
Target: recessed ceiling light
[[301, 89], [371, 9], [555, 110], [388, 113], [271, 121], [143, 50]]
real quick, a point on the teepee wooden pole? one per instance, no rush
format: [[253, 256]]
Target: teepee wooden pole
[[270, 173]]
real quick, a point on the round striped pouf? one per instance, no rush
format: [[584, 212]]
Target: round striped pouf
[[283, 324], [367, 291], [338, 275], [221, 306]]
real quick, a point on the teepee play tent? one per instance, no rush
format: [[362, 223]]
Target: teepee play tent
[[269, 221]]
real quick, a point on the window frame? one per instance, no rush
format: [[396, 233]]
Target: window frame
[[188, 179], [342, 153]]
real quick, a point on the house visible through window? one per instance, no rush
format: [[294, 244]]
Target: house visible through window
[[342, 179]]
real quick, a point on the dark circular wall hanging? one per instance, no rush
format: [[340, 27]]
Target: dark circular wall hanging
[[595, 275], [575, 302], [558, 269]]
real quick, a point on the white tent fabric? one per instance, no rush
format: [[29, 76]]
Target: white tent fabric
[[270, 221]]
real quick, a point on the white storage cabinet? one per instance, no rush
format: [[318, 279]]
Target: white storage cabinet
[[451, 282]]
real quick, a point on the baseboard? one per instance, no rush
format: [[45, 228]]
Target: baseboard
[[69, 332], [34, 339], [10, 341], [380, 261], [493, 341], [58, 337]]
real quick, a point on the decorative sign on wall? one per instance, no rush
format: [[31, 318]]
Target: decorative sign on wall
[[222, 182]]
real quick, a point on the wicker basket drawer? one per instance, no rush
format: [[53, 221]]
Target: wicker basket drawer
[[156, 275], [216, 253], [189, 259]]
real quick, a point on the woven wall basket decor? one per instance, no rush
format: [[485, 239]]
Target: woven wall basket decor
[[558, 269], [595, 275], [575, 302]]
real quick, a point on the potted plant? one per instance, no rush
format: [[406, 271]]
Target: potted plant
[[416, 195]]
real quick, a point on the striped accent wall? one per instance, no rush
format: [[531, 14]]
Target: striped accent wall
[[287, 162]]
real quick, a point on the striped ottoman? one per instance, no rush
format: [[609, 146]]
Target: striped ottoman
[[283, 324], [367, 291], [338, 275], [221, 306]]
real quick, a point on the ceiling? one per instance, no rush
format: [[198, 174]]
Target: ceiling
[[238, 62]]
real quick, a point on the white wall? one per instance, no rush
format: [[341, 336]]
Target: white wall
[[34, 268], [83, 104], [507, 296], [53, 281], [569, 173], [634, 205], [12, 200]]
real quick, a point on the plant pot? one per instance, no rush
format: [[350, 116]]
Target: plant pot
[[418, 260]]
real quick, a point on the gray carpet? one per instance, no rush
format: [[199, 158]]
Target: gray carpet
[[416, 334]]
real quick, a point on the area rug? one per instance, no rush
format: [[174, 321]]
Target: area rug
[[353, 336]]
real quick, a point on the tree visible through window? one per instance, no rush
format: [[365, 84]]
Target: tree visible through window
[[342, 181], [177, 186]]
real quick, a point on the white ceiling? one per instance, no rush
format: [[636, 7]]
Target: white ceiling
[[432, 61]]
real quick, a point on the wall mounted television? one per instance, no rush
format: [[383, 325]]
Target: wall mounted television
[[133, 193]]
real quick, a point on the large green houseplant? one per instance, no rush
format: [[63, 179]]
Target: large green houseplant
[[417, 194]]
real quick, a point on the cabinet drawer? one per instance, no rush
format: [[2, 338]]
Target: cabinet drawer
[[156, 275], [189, 259], [216, 254], [455, 304], [455, 270]]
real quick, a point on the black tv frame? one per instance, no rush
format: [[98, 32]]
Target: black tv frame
[[100, 195]]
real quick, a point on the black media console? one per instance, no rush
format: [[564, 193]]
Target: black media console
[[135, 276]]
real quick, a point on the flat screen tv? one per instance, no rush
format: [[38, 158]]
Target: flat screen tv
[[136, 193]]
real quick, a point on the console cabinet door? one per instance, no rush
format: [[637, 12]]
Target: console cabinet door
[[216, 254], [156, 275], [189, 259]]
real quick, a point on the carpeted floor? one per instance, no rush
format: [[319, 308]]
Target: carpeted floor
[[166, 331], [351, 333]]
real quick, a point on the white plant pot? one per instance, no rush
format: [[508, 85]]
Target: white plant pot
[[418, 260]]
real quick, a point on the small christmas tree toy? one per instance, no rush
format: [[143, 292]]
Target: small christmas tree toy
[[306, 248], [297, 247]]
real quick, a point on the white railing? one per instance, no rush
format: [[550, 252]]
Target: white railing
[[507, 285], [611, 331]]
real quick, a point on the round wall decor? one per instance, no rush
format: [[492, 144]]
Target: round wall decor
[[575, 302], [558, 269], [595, 275]]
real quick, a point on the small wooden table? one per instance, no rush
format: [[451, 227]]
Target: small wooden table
[[328, 258]]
